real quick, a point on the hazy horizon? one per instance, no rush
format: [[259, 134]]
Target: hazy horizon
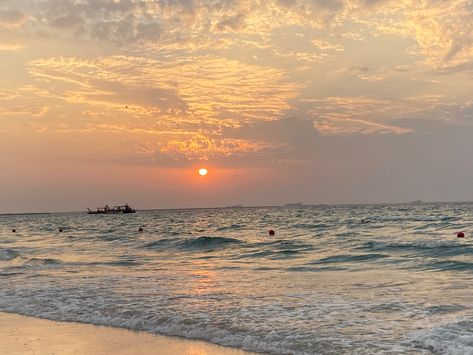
[[324, 102], [280, 205]]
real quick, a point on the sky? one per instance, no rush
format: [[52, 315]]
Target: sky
[[335, 101]]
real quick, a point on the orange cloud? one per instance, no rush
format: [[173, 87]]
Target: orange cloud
[[202, 88], [367, 115], [183, 102], [12, 18]]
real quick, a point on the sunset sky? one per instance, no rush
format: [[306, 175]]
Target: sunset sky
[[335, 101]]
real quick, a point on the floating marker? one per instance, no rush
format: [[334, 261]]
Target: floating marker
[[460, 235], [13, 230], [61, 230], [140, 229], [271, 232]]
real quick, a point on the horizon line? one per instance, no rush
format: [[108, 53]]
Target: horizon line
[[302, 205]]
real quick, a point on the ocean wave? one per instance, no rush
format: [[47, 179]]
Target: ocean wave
[[284, 244], [448, 265], [411, 218], [275, 249], [256, 254], [105, 263], [208, 242], [229, 228], [311, 226], [111, 238], [219, 332], [42, 262], [199, 243], [345, 258], [161, 243], [454, 338], [8, 254], [315, 269], [430, 248], [8, 274], [285, 254], [271, 254], [444, 309]]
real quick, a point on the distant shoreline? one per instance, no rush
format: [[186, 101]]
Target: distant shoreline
[[412, 203]]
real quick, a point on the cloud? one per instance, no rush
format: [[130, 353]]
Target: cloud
[[19, 105], [368, 115], [372, 73], [284, 130], [12, 18], [209, 88], [466, 111], [200, 69], [441, 29], [233, 23], [285, 138], [183, 102], [68, 23], [443, 37], [149, 31], [10, 46]]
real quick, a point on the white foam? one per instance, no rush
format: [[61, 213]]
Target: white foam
[[454, 338]]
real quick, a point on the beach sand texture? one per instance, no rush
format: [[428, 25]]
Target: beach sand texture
[[28, 335]]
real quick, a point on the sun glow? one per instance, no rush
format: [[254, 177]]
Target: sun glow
[[203, 172]]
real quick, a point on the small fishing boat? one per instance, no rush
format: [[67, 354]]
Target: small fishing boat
[[112, 210]]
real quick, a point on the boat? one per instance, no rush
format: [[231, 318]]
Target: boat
[[112, 210]]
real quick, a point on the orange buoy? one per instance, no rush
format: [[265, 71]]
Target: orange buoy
[[140, 229], [271, 232], [460, 235]]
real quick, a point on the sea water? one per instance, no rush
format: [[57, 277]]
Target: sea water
[[332, 280]]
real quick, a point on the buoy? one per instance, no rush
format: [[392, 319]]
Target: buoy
[[460, 235], [61, 230], [140, 229], [13, 230], [271, 232]]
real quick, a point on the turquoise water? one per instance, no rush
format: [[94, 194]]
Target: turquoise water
[[332, 280]]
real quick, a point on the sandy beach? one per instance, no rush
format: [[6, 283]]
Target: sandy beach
[[28, 335]]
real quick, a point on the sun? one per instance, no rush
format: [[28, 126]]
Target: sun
[[203, 172]]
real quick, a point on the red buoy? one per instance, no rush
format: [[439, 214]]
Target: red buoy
[[140, 229], [271, 232], [460, 235]]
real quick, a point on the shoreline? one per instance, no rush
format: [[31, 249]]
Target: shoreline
[[21, 334]]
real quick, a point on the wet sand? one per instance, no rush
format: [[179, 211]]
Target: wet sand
[[28, 335]]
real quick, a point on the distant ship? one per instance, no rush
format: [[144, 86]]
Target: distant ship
[[294, 204], [112, 210]]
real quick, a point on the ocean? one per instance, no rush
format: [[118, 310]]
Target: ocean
[[364, 279]]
